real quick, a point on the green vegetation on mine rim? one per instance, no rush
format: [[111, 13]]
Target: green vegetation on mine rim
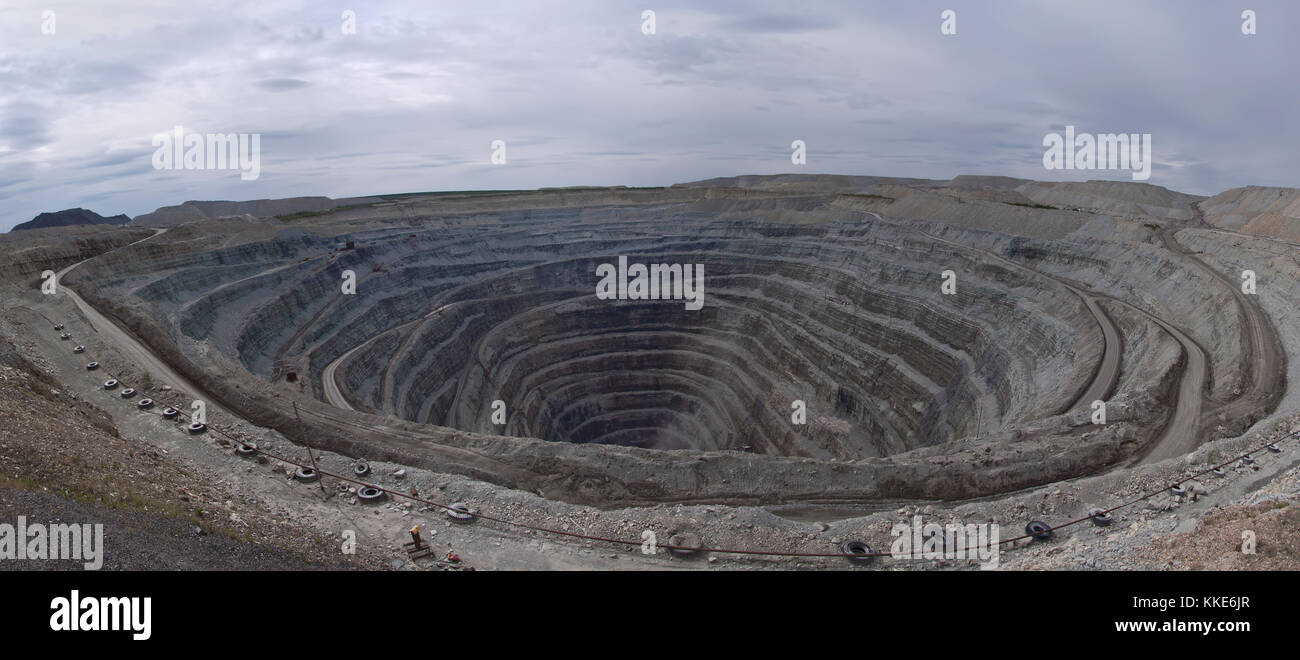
[[124, 500], [298, 215], [1034, 206], [444, 193], [868, 196]]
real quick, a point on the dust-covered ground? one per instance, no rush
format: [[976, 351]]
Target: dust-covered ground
[[63, 461], [72, 450]]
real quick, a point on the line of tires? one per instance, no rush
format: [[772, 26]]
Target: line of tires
[[128, 393], [686, 544]]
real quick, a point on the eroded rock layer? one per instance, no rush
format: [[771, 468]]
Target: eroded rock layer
[[825, 331]]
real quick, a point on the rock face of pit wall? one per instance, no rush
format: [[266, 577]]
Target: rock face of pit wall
[[27, 254], [476, 327], [1263, 211]]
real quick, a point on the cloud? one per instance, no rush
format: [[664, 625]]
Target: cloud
[[581, 96], [780, 23], [23, 126], [112, 160], [282, 84]]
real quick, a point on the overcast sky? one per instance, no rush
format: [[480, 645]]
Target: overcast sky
[[413, 100]]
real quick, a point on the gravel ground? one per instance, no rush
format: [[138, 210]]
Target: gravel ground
[[63, 459], [62, 435], [139, 541]]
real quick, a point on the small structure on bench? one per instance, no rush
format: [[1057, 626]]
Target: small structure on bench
[[417, 547]]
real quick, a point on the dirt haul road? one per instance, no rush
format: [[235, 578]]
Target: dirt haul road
[[1106, 376], [1263, 357], [1182, 432], [142, 357]]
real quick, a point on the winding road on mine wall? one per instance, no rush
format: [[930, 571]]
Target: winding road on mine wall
[[1106, 376], [329, 382], [1263, 365], [125, 342], [145, 359], [1181, 434], [1263, 358]]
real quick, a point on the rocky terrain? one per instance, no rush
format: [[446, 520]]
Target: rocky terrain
[[477, 361], [193, 211], [63, 459], [1270, 212], [30, 253], [71, 217]]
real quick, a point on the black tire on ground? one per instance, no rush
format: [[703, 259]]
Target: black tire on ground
[[170, 413], [688, 540], [1274, 448], [306, 474], [857, 551], [246, 449], [65, 336], [144, 403], [1040, 530], [1218, 472], [128, 393], [460, 513], [196, 427], [78, 349], [110, 383], [1177, 490], [370, 494], [1100, 517], [91, 366], [361, 468]]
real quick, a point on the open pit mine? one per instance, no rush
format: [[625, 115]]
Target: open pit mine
[[860, 342]]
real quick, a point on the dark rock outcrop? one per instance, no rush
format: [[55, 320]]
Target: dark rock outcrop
[[70, 217]]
